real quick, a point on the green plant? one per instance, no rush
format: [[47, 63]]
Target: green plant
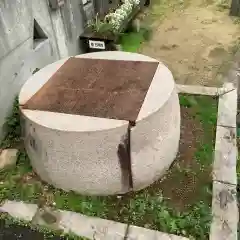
[[12, 127], [131, 41], [99, 25]]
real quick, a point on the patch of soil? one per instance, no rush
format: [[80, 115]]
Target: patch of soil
[[185, 180], [204, 38]]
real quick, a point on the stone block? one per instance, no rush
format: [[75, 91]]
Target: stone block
[[138, 233], [8, 158], [19, 210], [225, 212], [198, 90], [227, 107], [91, 227], [225, 159]]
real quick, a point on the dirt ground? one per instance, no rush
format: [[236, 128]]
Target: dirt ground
[[197, 41]]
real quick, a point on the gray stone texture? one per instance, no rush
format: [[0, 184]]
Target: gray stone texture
[[225, 159], [8, 157], [227, 106], [225, 212], [196, 89], [19, 210]]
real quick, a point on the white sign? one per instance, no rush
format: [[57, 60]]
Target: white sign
[[97, 44]]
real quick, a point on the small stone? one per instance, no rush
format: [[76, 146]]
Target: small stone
[[8, 158]]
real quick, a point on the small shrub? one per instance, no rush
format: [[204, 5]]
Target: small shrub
[[12, 126]]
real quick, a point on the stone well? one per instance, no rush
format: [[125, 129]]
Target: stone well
[[101, 123]]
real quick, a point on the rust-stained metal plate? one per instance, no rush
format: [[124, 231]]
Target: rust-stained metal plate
[[95, 87]]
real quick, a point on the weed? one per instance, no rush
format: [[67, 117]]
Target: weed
[[13, 128], [131, 41]]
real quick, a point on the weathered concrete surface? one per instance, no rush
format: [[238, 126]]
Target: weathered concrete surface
[[8, 157], [138, 233], [19, 210], [81, 225], [227, 107], [225, 212], [225, 160], [197, 89], [18, 57], [90, 227]]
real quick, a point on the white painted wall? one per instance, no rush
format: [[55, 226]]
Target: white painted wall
[[18, 58]]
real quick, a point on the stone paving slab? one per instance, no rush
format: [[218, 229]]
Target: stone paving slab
[[201, 90], [19, 210], [91, 227], [225, 212], [227, 107], [225, 159], [138, 233]]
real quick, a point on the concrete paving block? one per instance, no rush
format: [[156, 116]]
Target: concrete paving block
[[19, 210], [138, 233], [225, 159], [91, 227], [195, 89], [225, 212], [8, 157], [227, 107]]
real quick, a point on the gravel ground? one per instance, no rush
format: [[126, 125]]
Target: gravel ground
[[15, 232]]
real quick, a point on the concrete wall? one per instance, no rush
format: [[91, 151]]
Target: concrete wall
[[19, 56]]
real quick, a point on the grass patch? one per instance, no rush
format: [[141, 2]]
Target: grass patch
[[131, 41], [179, 204]]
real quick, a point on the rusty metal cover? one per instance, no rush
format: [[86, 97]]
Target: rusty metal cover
[[94, 87]]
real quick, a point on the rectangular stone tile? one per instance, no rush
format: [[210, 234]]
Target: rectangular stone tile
[[225, 159], [91, 227], [138, 233], [19, 210], [201, 90], [227, 106], [225, 212]]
